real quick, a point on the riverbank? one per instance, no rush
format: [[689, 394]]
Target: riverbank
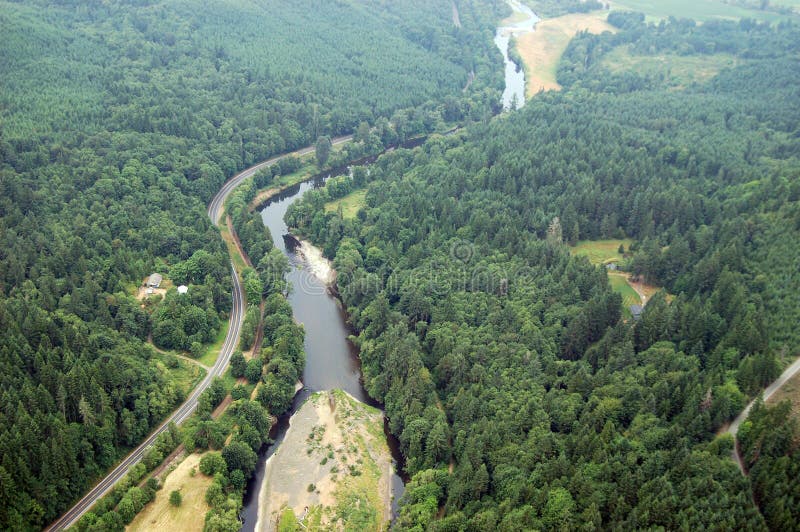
[[334, 466]]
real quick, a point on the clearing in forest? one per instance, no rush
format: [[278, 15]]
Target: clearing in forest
[[160, 515], [678, 70], [607, 252], [601, 251], [541, 50], [350, 204]]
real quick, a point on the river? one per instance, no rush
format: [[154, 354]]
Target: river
[[331, 360], [514, 73]]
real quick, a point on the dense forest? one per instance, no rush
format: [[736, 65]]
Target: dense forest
[[521, 397], [119, 121]]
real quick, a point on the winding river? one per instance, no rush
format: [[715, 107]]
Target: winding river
[[514, 93], [331, 360]]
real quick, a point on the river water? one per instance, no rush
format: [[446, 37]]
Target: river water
[[514, 93], [331, 360]]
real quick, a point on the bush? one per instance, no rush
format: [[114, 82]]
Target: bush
[[212, 463], [238, 364], [239, 392], [253, 370], [175, 498]]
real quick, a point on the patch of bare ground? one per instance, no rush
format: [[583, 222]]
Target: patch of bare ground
[[334, 463]]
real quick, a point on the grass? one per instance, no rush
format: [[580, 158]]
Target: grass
[[212, 351], [619, 283], [350, 204], [160, 515], [358, 497], [542, 49], [600, 251], [238, 260], [678, 69], [186, 375], [700, 10]]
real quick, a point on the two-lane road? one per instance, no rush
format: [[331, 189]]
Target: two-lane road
[[180, 415]]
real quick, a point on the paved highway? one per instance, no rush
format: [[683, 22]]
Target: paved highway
[[180, 415]]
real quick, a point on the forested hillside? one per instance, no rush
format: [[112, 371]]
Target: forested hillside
[[118, 122], [521, 398]]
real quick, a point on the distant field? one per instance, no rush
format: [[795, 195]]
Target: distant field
[[678, 69], [160, 515], [542, 49], [350, 203], [600, 251], [700, 9]]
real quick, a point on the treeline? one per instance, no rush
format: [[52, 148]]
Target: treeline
[[119, 122], [520, 397], [556, 8]]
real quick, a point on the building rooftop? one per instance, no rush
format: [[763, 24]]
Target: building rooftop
[[154, 280]]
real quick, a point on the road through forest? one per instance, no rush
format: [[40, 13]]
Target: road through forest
[[215, 210]]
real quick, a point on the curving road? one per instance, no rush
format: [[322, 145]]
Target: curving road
[[215, 209], [217, 204], [178, 416], [733, 429]]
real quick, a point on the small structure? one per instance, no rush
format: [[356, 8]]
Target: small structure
[[612, 266], [182, 289], [154, 281], [636, 311]]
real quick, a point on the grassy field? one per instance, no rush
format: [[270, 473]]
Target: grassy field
[[350, 204], [700, 9], [542, 49], [160, 515], [600, 251], [679, 70], [233, 250], [619, 283], [186, 375], [212, 351]]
